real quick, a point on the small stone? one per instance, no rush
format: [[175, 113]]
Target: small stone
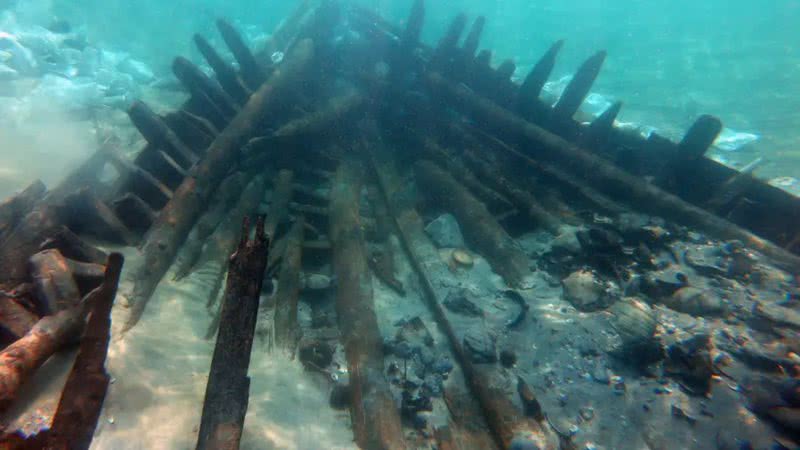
[[111, 420], [600, 374], [587, 413], [480, 346], [508, 358], [316, 355], [567, 241], [458, 301], [445, 232]]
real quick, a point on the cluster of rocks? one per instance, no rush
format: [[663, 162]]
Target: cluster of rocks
[[70, 71], [687, 308]]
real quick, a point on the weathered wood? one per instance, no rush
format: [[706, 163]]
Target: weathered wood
[[228, 388], [159, 134], [225, 199], [73, 247], [191, 198], [205, 89], [473, 38], [734, 188], [287, 333], [528, 98], [85, 390], [281, 197], [606, 177], [464, 175], [226, 75], [86, 213], [252, 74], [222, 242], [445, 52], [140, 176], [14, 209], [55, 288], [597, 134], [376, 421], [19, 360], [15, 320], [480, 228], [325, 118], [134, 212], [523, 200], [284, 33], [579, 87], [24, 240]]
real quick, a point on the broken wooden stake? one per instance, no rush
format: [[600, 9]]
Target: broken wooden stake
[[528, 97], [85, 390], [228, 388], [579, 87], [159, 134]]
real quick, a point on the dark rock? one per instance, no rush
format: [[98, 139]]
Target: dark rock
[[697, 302], [480, 347], [508, 358], [663, 283], [340, 396], [600, 240], [316, 355], [679, 413], [410, 405], [414, 333], [458, 301], [690, 362], [443, 366]]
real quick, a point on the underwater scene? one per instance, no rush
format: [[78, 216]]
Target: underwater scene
[[399, 224]]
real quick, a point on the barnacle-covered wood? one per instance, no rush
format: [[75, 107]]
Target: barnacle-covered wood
[[376, 420], [286, 329], [192, 196], [480, 228], [603, 175], [228, 388], [85, 390]]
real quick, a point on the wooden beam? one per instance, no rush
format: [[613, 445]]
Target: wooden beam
[[375, 417], [228, 388], [287, 333]]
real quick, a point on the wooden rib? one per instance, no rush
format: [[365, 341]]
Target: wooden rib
[[252, 74], [287, 333], [579, 87], [225, 74], [531, 88], [474, 37], [159, 133], [203, 87]]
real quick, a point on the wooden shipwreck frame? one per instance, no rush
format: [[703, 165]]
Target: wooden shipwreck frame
[[442, 116]]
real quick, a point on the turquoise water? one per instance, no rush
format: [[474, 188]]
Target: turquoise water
[[668, 61]]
